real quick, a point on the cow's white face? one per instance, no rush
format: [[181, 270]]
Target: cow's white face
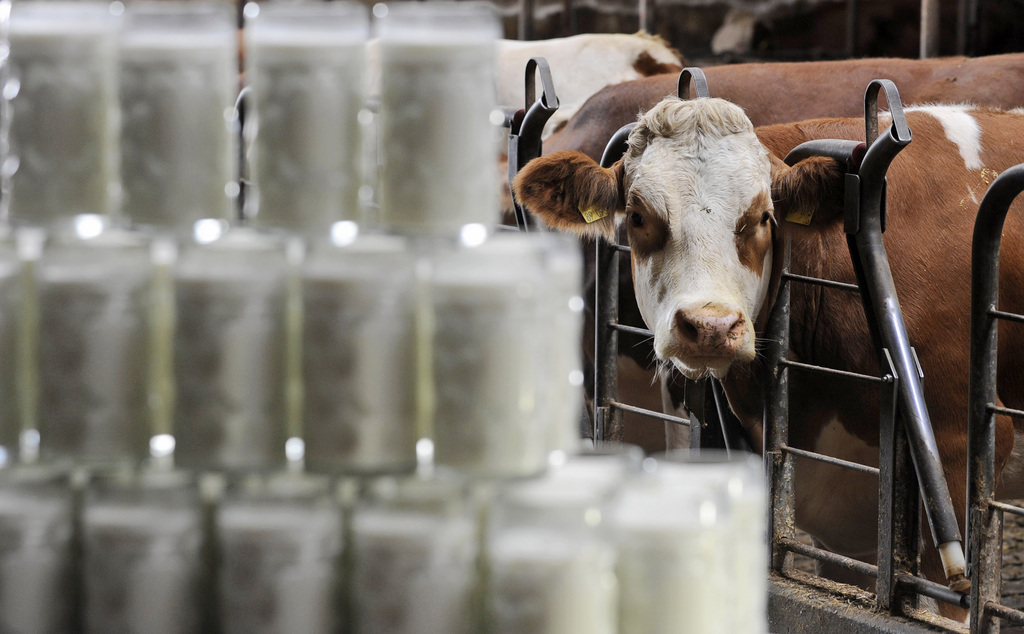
[[698, 209]]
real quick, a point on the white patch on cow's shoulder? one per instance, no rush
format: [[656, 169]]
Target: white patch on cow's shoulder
[[961, 128]]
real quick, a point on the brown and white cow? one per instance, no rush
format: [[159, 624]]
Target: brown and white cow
[[704, 198]]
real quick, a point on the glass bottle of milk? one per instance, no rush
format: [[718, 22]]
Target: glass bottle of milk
[[92, 283], [414, 566], [37, 588], [280, 544], [359, 374], [550, 558], [488, 360], [305, 68], [62, 83], [437, 95], [229, 349], [179, 82], [143, 543]]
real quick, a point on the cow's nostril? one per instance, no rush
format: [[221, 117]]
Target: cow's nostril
[[738, 328], [688, 330]]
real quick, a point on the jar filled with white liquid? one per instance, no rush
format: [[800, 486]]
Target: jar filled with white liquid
[[229, 349], [674, 564], [179, 82], [550, 556], [93, 285], [37, 587], [62, 86], [305, 65], [414, 566], [279, 542], [143, 546], [738, 478], [358, 354], [437, 143], [489, 363]]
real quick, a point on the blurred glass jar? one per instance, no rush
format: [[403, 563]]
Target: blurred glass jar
[[179, 82], [489, 368], [143, 542], [37, 587], [62, 84], [230, 341], [358, 350], [280, 542], [674, 566], [737, 477], [305, 68], [93, 283], [550, 556], [437, 63], [414, 568]]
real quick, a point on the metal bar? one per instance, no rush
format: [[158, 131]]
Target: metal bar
[[651, 413], [643, 332], [984, 523], [1007, 508], [934, 590], [1015, 617], [526, 19], [608, 426], [843, 286], [817, 369], [781, 496], [827, 556], [893, 331], [929, 28], [622, 248], [1007, 316], [852, 27], [838, 462], [1005, 411]]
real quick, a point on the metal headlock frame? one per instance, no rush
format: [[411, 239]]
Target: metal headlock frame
[[985, 515]]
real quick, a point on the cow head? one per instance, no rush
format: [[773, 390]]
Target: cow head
[[695, 190]]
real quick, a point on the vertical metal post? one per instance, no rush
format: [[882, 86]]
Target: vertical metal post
[[852, 27], [608, 422], [779, 464], [526, 19], [929, 28], [984, 523], [645, 11]]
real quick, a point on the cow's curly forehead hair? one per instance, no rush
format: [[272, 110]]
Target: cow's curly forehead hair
[[693, 122]]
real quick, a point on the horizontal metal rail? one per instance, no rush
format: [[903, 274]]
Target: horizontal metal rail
[[817, 369], [829, 557], [1005, 411], [1016, 617], [1007, 508], [650, 413], [843, 286], [838, 462], [1007, 316], [934, 590], [621, 248], [643, 332]]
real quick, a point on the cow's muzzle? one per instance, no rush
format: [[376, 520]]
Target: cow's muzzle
[[712, 330]]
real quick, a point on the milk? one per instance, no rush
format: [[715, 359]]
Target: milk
[[230, 352], [179, 81], [279, 563], [358, 349], [305, 67], [62, 82], [93, 291], [437, 93]]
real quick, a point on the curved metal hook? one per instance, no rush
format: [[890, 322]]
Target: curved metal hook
[[533, 66], [700, 83], [617, 145], [901, 131]]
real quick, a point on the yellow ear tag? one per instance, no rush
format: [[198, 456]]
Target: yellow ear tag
[[593, 214], [801, 216]]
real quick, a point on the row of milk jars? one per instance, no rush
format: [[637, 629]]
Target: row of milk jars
[[603, 543]]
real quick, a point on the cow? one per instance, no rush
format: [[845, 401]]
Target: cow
[[706, 198], [773, 92]]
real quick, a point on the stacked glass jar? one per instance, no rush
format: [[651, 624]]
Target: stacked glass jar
[[352, 404]]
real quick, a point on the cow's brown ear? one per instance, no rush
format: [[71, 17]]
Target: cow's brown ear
[[570, 192], [809, 192]]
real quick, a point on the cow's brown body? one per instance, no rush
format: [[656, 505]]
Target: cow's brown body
[[781, 92], [934, 187]]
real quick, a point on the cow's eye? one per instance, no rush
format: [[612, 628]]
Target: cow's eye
[[765, 217], [636, 219]]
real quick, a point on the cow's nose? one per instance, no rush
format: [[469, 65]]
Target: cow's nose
[[711, 329]]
